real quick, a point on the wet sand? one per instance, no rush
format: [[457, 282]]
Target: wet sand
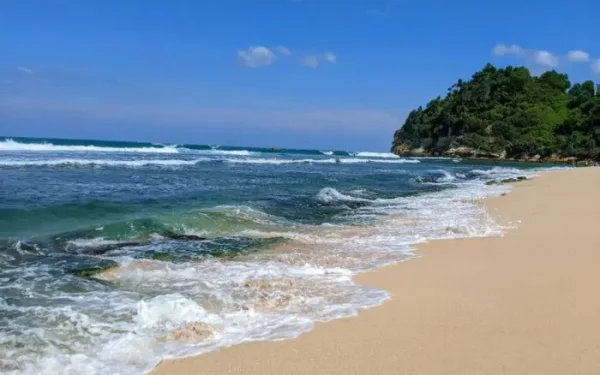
[[526, 303]]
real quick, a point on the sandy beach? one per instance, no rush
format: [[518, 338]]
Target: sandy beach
[[525, 303]]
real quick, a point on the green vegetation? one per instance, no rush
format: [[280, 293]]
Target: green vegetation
[[507, 113]]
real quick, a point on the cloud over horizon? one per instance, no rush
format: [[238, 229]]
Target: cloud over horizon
[[546, 59], [578, 56]]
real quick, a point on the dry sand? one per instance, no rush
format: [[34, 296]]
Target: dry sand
[[527, 303]]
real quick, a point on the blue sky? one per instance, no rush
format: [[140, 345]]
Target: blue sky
[[336, 74]]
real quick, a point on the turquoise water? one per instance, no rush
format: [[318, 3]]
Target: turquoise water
[[204, 246]]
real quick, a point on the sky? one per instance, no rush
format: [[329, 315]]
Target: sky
[[324, 74]]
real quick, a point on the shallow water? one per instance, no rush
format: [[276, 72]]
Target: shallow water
[[116, 255]]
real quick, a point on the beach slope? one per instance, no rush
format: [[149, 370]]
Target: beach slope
[[526, 303]]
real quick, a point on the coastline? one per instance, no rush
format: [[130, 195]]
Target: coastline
[[472, 156], [517, 304]]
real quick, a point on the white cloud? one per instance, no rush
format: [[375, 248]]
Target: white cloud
[[596, 66], [283, 50], [310, 61], [578, 56], [330, 57], [257, 56], [502, 49], [24, 70], [539, 58], [545, 58]]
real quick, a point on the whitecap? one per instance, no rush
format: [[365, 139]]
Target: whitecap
[[368, 154], [329, 194], [101, 162], [12, 145]]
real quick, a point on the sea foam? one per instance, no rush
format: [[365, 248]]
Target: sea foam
[[268, 296]]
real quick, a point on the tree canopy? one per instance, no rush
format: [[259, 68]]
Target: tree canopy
[[507, 113]]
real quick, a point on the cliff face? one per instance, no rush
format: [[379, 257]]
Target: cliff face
[[507, 114], [464, 152]]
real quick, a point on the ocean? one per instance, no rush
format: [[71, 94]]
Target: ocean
[[115, 255]]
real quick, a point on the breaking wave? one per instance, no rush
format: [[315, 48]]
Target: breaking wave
[[101, 162], [367, 154], [11, 145]]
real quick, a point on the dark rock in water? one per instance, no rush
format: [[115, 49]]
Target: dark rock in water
[[187, 237], [89, 272], [94, 270], [103, 249], [162, 256], [506, 181]]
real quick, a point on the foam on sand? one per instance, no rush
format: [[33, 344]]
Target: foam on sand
[[166, 309], [469, 302]]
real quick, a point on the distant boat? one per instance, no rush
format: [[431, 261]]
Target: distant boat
[[275, 149]]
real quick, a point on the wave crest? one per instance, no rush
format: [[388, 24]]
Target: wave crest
[[329, 194], [368, 154], [99, 162], [12, 145]]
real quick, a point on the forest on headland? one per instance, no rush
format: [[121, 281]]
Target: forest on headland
[[507, 113]]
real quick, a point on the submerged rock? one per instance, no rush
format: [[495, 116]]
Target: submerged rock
[[95, 270], [506, 180], [187, 237], [103, 249], [162, 256]]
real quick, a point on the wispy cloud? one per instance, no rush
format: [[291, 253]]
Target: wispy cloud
[[545, 59], [24, 70], [541, 58], [313, 61], [578, 56], [330, 57], [596, 66], [502, 49], [310, 61], [261, 56], [385, 10], [283, 50], [257, 56]]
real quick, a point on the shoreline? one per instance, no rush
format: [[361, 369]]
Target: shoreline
[[454, 308], [558, 161]]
